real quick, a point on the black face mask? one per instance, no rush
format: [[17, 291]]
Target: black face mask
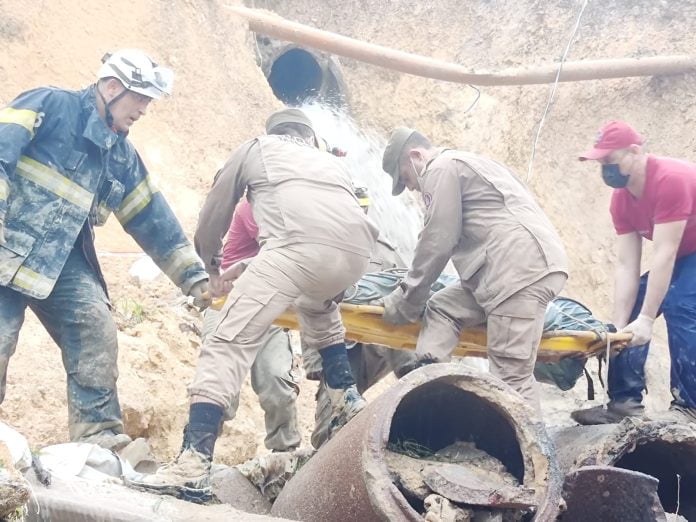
[[612, 176]]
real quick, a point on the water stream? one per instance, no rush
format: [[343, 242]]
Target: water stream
[[399, 219]]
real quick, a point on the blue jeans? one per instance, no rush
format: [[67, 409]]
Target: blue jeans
[[77, 315], [627, 368]]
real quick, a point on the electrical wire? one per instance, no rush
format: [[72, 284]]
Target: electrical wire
[[553, 90], [678, 492], [476, 100], [606, 374]]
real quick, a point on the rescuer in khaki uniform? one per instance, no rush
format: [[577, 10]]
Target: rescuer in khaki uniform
[[275, 376], [315, 242], [369, 363], [508, 255]]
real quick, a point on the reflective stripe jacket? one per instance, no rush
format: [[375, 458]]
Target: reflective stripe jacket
[[60, 165]]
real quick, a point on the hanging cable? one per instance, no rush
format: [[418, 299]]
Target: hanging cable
[[553, 90], [606, 375], [678, 493], [476, 100]]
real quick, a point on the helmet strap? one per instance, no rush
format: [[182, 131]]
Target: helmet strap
[[107, 106]]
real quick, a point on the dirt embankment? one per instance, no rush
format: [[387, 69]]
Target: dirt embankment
[[221, 98]]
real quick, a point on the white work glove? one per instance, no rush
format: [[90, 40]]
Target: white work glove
[[2, 231], [202, 298], [392, 312], [641, 328]]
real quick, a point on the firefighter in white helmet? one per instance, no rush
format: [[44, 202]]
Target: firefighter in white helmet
[[138, 77], [65, 165]]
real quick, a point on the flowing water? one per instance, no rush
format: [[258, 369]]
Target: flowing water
[[399, 219]]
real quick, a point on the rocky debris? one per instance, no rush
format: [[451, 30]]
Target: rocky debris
[[467, 452], [139, 456], [456, 483], [439, 509], [270, 473], [408, 473], [14, 493], [231, 487], [472, 485], [14, 489]]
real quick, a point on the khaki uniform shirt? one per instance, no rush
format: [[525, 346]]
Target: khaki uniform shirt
[[298, 194], [479, 214], [384, 257]]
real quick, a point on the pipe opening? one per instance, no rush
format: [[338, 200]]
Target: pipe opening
[[664, 461], [445, 443], [433, 420], [295, 77], [438, 414]]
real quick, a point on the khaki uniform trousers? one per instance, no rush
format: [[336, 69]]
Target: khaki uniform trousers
[[514, 330], [307, 276], [275, 378]]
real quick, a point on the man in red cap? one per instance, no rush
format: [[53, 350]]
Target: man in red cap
[[654, 198]]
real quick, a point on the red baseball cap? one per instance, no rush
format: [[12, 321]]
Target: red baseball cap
[[614, 135]]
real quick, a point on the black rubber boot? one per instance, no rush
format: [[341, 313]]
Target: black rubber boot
[[336, 367], [188, 477], [203, 428], [614, 413], [346, 401]]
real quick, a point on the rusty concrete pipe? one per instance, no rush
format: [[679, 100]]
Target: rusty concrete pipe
[[349, 480], [298, 74], [664, 450]]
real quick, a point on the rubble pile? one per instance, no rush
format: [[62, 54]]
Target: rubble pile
[[457, 483]]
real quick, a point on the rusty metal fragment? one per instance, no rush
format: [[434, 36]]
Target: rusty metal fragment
[[607, 494], [464, 485], [664, 450]]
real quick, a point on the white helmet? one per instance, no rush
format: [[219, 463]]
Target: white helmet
[[137, 72]]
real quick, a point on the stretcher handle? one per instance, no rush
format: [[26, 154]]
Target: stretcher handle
[[363, 309]]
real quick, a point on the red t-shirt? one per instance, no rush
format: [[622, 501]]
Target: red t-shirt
[[669, 195], [241, 238]]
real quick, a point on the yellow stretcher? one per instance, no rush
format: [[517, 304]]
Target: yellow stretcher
[[364, 324]]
